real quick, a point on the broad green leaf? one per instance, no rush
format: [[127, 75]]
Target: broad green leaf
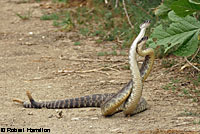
[[184, 7], [181, 37], [190, 45], [191, 20]]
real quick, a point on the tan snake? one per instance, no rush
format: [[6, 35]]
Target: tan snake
[[131, 96], [96, 100]]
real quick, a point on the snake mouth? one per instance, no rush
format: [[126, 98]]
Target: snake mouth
[[145, 24]]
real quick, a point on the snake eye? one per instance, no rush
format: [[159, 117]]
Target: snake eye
[[147, 21], [143, 39]]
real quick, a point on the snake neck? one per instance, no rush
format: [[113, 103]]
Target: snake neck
[[133, 99], [132, 56], [149, 58], [111, 105]]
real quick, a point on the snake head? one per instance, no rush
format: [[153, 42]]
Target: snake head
[[140, 45], [145, 24], [145, 38]]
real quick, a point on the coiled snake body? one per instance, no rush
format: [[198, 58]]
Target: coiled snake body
[[128, 99]]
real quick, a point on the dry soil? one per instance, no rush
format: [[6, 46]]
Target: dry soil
[[38, 57]]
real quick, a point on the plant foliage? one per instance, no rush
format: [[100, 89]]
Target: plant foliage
[[184, 7], [181, 37], [181, 7], [107, 21]]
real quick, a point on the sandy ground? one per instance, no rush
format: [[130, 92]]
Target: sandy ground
[[34, 55]]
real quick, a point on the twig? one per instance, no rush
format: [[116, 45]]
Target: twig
[[95, 60], [124, 5], [195, 54], [191, 64], [65, 72], [106, 2], [90, 60], [39, 78], [116, 3], [143, 9], [92, 70], [118, 40]]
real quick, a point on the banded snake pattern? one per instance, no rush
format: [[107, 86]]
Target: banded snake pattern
[[121, 99]]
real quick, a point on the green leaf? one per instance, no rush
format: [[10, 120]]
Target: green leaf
[[191, 20], [184, 7], [181, 37], [189, 47]]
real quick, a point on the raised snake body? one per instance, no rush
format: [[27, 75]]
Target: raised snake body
[[123, 100], [130, 96]]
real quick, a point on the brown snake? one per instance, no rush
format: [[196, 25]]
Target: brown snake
[[98, 100]]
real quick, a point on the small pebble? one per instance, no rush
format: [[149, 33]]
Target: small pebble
[[75, 119], [94, 118], [50, 116], [30, 113]]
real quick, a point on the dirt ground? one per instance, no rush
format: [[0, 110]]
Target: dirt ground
[[38, 57]]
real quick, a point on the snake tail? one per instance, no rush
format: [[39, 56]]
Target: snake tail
[[94, 100]]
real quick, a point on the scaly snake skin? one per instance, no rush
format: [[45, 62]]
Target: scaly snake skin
[[131, 96], [97, 100]]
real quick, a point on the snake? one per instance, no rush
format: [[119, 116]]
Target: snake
[[131, 96], [99, 100]]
